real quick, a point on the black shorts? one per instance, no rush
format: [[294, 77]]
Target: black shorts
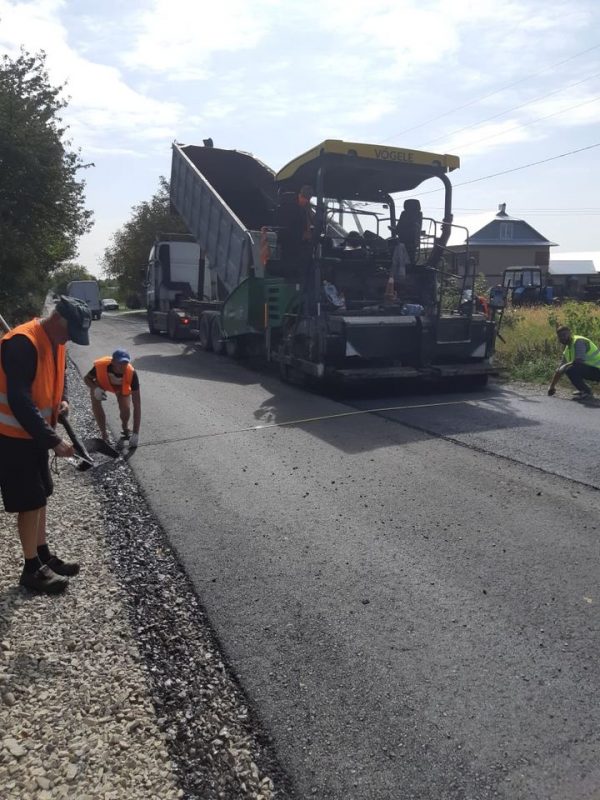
[[25, 479]]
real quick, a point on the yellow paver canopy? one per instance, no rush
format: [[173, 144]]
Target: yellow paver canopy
[[354, 170]]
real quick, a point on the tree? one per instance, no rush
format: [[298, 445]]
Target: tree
[[66, 273], [126, 257], [42, 204]]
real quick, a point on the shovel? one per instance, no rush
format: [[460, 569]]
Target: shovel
[[96, 445]]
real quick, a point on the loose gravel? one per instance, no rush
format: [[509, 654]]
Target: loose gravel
[[117, 689]]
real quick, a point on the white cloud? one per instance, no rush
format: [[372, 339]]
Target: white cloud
[[409, 33], [275, 76], [178, 38], [92, 149], [537, 121], [578, 108], [101, 104], [486, 137]]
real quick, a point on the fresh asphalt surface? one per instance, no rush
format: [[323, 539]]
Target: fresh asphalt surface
[[409, 597]]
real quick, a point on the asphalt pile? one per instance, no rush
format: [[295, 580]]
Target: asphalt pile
[[117, 689]]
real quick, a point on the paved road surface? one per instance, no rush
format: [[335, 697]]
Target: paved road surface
[[411, 617]]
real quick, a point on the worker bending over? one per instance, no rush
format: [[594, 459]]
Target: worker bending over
[[116, 374], [580, 362]]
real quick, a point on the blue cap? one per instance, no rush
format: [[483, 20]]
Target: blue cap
[[121, 357]]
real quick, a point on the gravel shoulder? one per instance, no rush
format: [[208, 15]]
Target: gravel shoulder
[[118, 688]]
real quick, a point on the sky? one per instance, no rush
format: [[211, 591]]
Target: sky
[[501, 84]]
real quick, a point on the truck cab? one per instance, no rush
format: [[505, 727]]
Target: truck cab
[[89, 292], [175, 276], [174, 272]]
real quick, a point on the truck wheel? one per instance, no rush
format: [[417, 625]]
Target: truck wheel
[[284, 369], [151, 327], [216, 335], [477, 382], [204, 331], [235, 347], [284, 372], [172, 327]]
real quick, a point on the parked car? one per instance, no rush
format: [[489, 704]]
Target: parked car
[[108, 304]]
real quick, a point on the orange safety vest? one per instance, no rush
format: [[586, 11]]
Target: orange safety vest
[[484, 304], [265, 249], [304, 204], [48, 384], [101, 365]]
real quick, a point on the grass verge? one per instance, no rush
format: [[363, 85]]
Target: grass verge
[[531, 350]]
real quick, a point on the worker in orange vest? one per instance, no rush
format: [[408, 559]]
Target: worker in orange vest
[[116, 375], [32, 394], [307, 217]]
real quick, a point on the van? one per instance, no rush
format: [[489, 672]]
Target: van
[[89, 292]]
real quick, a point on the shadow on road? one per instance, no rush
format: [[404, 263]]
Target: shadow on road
[[417, 411], [193, 362], [340, 415]]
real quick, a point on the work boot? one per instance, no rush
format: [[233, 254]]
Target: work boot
[[44, 580], [583, 395], [66, 568]]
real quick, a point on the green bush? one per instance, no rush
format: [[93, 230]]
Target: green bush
[[582, 318]]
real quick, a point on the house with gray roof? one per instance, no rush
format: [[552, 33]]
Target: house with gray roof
[[504, 242]]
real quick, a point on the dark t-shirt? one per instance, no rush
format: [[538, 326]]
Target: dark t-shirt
[[135, 381], [19, 361]]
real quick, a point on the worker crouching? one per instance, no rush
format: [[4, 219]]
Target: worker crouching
[[116, 375], [580, 363]]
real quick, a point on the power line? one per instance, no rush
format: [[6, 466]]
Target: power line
[[517, 210], [532, 164], [514, 169], [525, 124], [508, 110], [491, 94]]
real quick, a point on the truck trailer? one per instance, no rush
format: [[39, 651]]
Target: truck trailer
[[313, 267]]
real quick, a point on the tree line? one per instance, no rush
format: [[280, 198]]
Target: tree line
[[126, 257], [42, 199], [42, 202]]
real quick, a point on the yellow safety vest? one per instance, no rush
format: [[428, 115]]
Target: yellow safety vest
[[592, 356]]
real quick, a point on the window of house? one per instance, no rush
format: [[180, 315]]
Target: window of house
[[506, 230]]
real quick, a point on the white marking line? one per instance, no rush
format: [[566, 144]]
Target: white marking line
[[306, 420], [355, 413]]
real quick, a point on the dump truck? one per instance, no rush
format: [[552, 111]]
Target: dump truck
[[314, 268], [225, 197]]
